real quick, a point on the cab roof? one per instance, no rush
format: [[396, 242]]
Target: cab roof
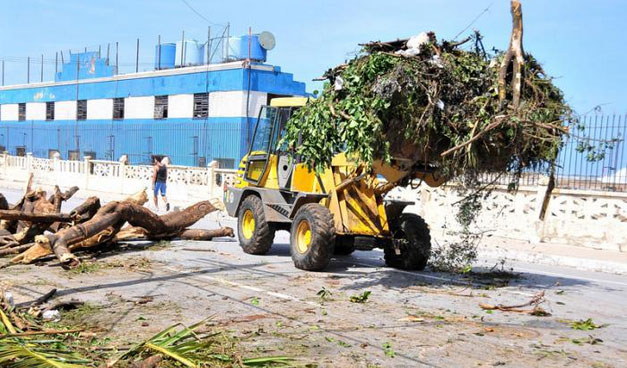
[[289, 101]]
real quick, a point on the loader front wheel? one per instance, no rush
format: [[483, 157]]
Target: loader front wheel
[[312, 237], [411, 243], [255, 234]]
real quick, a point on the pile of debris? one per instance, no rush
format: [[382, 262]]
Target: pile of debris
[[28, 338], [425, 101], [35, 227]]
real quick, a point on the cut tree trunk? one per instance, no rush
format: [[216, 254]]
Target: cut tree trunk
[[202, 234], [515, 55], [111, 217], [13, 215]]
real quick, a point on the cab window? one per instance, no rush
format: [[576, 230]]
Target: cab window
[[263, 133]]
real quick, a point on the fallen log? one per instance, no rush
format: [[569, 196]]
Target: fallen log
[[15, 249], [107, 222], [202, 234], [85, 210], [13, 215]]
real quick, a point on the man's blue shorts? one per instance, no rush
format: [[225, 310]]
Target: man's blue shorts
[[160, 187]]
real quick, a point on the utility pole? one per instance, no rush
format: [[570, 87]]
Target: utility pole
[[228, 32], [159, 52], [182, 49], [208, 44], [28, 70], [137, 57], [41, 74]]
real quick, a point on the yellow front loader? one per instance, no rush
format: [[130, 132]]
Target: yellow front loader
[[334, 212]]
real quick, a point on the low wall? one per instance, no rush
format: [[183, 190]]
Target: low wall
[[585, 218], [185, 184], [575, 217]]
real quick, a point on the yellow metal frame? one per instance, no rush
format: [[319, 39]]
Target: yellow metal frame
[[355, 199], [248, 224], [303, 237]]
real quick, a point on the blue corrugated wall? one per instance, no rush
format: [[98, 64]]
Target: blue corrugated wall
[[222, 80], [185, 141]]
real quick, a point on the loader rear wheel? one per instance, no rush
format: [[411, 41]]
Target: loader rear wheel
[[312, 237], [255, 234], [411, 243]]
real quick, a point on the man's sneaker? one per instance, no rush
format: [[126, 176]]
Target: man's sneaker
[[167, 206]]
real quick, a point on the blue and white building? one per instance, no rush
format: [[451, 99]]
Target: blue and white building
[[194, 113]]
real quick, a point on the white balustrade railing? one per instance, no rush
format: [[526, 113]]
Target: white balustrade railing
[[185, 183]]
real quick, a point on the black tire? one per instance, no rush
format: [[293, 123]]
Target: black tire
[[317, 253], [411, 234], [262, 237], [344, 245]]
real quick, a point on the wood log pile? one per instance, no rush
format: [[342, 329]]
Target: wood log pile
[[35, 227]]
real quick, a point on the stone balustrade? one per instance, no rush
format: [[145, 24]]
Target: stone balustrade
[[185, 184], [586, 218]]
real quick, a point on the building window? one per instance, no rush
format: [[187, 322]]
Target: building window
[[202, 161], [118, 108], [81, 110], [225, 163], [21, 111], [73, 155], [201, 105], [49, 110], [161, 107]]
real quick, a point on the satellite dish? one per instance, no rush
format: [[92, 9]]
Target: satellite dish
[[266, 40]]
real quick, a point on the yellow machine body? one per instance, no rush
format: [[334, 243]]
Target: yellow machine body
[[353, 196]]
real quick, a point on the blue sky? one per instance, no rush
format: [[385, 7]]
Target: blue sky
[[579, 42]]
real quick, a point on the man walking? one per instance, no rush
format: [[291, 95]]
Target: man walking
[[159, 179]]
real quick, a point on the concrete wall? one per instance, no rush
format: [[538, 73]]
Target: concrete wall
[[584, 218], [139, 107], [185, 184], [9, 112], [36, 111], [207, 78], [233, 103], [65, 110], [100, 109], [180, 106]]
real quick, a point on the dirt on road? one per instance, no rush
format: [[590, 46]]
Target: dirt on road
[[357, 314]]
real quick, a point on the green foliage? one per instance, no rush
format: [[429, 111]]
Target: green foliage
[[324, 294], [361, 298], [387, 349], [381, 105], [188, 348], [585, 325], [179, 346]]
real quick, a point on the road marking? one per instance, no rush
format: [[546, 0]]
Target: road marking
[[251, 288], [564, 276]]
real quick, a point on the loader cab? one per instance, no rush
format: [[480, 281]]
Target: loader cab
[[264, 155]]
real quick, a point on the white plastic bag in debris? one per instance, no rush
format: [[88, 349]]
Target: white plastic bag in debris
[[414, 44]]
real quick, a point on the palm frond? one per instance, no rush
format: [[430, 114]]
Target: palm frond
[[6, 322], [15, 353], [189, 349], [172, 353]]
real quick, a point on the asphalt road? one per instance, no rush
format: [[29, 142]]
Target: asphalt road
[[410, 319]]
